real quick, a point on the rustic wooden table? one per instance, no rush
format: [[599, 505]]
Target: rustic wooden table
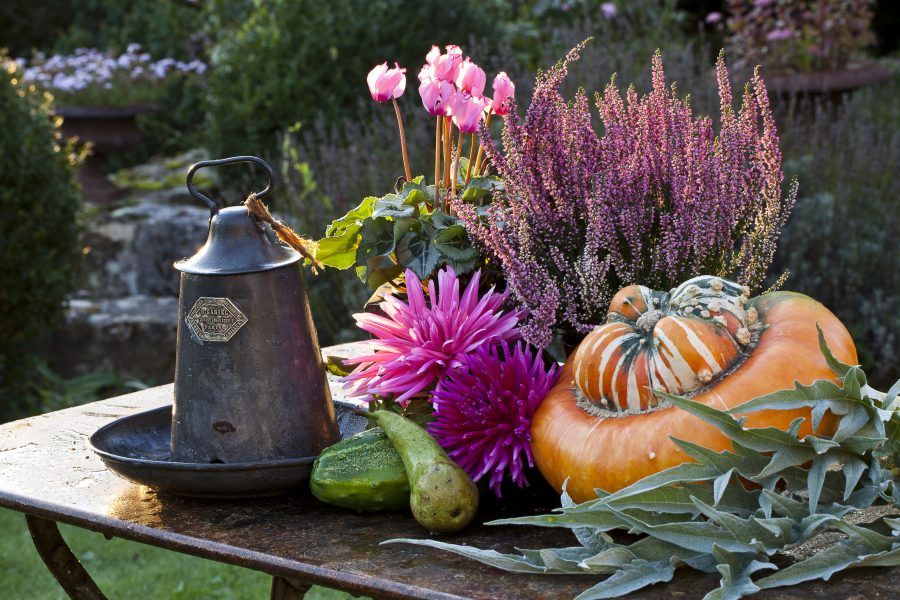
[[48, 473]]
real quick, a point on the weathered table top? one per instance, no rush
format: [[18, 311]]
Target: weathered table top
[[47, 470]]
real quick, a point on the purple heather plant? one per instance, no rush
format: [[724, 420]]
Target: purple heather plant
[[483, 411], [655, 200]]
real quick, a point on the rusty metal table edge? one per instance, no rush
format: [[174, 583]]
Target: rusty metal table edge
[[224, 553]]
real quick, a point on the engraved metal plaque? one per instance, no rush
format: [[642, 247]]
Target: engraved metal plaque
[[215, 319]]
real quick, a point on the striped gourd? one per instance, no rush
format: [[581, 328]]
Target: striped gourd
[[676, 342]]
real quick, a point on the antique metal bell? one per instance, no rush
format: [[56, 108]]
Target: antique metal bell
[[249, 380]]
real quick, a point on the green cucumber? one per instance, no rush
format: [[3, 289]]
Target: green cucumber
[[363, 472]]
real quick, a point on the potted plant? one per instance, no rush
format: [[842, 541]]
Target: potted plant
[[807, 47], [415, 227], [99, 95]]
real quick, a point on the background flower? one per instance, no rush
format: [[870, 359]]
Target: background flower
[[420, 341], [483, 411]]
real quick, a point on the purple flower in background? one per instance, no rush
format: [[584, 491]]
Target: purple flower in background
[[779, 35], [420, 341], [608, 9], [483, 411], [713, 18]]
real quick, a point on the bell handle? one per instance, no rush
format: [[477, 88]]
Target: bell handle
[[212, 204]]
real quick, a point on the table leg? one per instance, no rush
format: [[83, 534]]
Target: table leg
[[284, 588], [59, 559]]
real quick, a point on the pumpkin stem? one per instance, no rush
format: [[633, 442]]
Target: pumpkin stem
[[647, 321]]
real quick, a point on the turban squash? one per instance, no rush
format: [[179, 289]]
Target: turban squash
[[602, 427]]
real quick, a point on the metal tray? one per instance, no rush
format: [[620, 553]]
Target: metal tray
[[136, 448]]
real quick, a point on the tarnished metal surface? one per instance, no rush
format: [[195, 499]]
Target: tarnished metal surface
[[249, 380], [136, 447], [59, 559], [47, 470]]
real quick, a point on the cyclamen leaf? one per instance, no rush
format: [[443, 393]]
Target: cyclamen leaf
[[453, 242], [631, 577]]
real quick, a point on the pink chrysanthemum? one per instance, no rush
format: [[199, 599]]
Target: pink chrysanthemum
[[419, 342], [483, 411]]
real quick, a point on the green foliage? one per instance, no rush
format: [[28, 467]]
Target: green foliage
[[296, 59], [53, 392], [382, 237], [838, 243], [164, 28], [701, 515], [38, 233]]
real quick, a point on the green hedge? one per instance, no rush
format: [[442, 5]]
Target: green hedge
[[293, 60], [38, 234]]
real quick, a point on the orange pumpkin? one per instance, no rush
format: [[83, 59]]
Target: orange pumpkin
[[602, 427]]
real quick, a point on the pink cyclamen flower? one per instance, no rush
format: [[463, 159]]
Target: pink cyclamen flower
[[385, 83], [609, 9], [467, 111], [483, 411], [713, 18], [471, 78], [419, 342], [443, 66], [437, 96], [504, 90]]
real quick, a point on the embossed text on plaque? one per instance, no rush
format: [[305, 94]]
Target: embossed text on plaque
[[215, 319]]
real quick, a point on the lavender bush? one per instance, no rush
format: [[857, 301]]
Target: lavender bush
[[89, 77], [839, 244], [656, 199]]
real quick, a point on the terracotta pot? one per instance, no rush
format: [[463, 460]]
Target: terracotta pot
[[833, 84], [109, 129]]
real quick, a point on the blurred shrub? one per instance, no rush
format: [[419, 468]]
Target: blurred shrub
[[840, 244], [164, 28], [293, 60], [38, 232]]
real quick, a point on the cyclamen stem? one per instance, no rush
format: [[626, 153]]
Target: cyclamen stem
[[459, 144], [437, 162], [447, 157], [402, 140], [487, 123], [471, 160]]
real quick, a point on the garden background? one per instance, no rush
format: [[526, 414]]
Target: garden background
[[86, 286]]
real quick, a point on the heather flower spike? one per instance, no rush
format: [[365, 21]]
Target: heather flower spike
[[483, 411], [661, 197], [418, 342]]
